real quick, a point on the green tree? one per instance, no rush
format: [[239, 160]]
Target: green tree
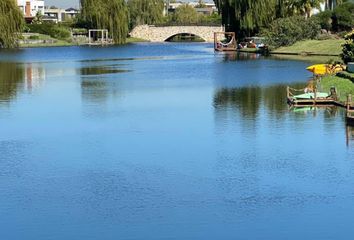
[[246, 16], [343, 17], [287, 31], [186, 14], [38, 19], [11, 24], [201, 4], [145, 11], [348, 48], [331, 4], [107, 14]]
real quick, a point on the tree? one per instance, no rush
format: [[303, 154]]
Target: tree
[[305, 7], [11, 24], [107, 14], [201, 4], [145, 11], [331, 4], [246, 16], [348, 48], [38, 19], [186, 14], [343, 17]]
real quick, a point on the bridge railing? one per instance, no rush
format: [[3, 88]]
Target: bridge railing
[[198, 24]]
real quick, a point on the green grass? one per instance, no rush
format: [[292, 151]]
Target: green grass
[[343, 86], [326, 47], [135, 40], [56, 43], [311, 59], [59, 43], [62, 43]]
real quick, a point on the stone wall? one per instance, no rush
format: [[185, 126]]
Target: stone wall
[[161, 34]]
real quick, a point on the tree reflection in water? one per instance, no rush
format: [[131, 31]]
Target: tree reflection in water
[[349, 134], [248, 100], [11, 77], [236, 56]]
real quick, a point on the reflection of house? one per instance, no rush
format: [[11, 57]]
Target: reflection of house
[[34, 76], [30, 8], [59, 14]]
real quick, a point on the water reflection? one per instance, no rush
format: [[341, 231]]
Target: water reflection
[[17, 77], [248, 100], [11, 78], [101, 70], [95, 90], [349, 135], [328, 111], [235, 56], [34, 76]]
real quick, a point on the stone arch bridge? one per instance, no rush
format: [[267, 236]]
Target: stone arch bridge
[[161, 34]]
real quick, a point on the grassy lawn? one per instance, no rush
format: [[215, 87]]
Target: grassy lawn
[[55, 43], [343, 86], [135, 40], [61, 43], [328, 47]]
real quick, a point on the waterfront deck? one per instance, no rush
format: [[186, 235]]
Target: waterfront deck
[[315, 98], [350, 111]]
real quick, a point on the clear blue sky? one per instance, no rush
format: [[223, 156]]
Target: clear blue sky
[[75, 3]]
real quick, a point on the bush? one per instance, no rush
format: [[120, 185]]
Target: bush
[[53, 30], [348, 48], [343, 17], [33, 37], [287, 31]]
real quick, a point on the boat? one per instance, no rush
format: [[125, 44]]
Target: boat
[[225, 41], [323, 69]]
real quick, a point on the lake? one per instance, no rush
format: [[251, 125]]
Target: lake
[[167, 141]]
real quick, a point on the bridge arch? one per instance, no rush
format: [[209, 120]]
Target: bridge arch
[[160, 34], [186, 36]]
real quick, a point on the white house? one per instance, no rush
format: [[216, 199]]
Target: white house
[[31, 7]]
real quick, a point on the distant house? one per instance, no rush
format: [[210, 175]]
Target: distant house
[[59, 15], [208, 9], [30, 8], [71, 13]]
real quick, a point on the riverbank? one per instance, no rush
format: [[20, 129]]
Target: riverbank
[[343, 86], [47, 41], [330, 47]]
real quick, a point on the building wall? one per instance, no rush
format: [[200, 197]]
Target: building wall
[[30, 8]]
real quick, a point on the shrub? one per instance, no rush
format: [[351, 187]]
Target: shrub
[[287, 31], [348, 48], [33, 37], [53, 30]]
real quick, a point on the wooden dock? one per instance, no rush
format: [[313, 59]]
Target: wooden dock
[[350, 111], [317, 99]]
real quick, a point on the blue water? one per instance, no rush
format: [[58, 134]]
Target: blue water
[[167, 141]]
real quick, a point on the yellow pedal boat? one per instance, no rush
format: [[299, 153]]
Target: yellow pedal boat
[[323, 69]]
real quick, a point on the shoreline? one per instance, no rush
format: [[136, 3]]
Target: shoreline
[[63, 43]]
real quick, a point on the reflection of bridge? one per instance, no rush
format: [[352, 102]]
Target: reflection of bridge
[[161, 34]]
